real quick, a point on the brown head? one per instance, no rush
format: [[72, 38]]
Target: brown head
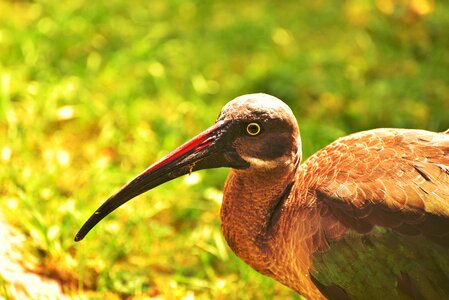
[[257, 132], [269, 133]]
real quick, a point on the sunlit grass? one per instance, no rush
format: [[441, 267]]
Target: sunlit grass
[[91, 93]]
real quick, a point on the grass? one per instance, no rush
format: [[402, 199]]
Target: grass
[[92, 92]]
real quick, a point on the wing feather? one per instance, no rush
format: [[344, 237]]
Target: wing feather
[[396, 178]]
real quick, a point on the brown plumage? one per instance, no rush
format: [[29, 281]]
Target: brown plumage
[[374, 202]]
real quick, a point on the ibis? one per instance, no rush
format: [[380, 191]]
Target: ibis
[[366, 217]]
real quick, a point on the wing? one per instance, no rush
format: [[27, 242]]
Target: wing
[[396, 178]]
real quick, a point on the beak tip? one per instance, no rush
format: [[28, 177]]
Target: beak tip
[[78, 237]]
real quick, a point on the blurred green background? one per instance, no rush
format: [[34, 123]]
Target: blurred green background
[[92, 92]]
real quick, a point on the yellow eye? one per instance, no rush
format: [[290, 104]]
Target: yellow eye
[[253, 129]]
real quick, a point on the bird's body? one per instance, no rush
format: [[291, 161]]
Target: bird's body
[[367, 217], [317, 247]]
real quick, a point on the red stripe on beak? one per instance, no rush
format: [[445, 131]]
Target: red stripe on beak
[[197, 143]]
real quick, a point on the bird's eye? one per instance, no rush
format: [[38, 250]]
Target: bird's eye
[[253, 129]]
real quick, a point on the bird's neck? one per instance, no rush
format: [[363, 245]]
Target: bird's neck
[[248, 211], [266, 231]]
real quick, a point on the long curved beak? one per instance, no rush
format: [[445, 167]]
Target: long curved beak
[[210, 149]]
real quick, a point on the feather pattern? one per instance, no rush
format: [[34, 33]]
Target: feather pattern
[[388, 177], [383, 202]]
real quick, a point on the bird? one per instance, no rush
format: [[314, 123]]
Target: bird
[[366, 217]]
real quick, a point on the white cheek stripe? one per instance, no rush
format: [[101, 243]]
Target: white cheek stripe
[[260, 163]]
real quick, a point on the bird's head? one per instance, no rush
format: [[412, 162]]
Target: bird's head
[[256, 132], [265, 131]]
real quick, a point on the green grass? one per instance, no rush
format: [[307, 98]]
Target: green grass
[[92, 92]]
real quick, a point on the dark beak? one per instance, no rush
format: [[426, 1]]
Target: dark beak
[[210, 149]]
